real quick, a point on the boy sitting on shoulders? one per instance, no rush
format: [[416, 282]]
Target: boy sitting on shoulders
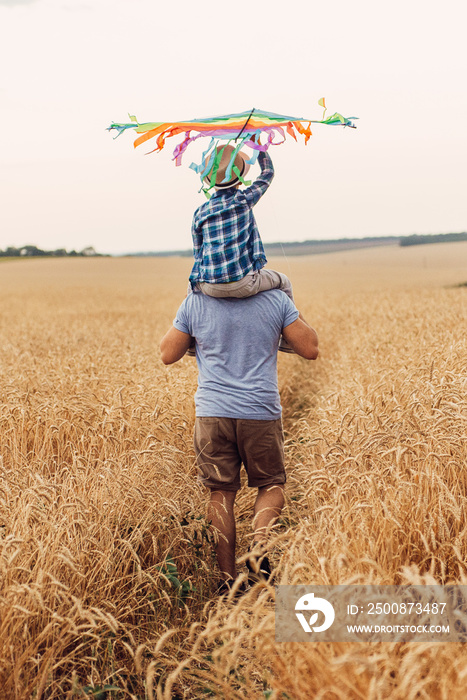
[[228, 251]]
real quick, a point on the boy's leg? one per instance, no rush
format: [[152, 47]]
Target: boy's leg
[[238, 290], [271, 279], [251, 284]]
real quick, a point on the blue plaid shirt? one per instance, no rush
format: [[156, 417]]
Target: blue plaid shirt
[[226, 242]]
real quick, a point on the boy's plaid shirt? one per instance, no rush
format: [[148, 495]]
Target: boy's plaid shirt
[[226, 242]]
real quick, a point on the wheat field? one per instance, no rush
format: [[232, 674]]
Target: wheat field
[[106, 566]]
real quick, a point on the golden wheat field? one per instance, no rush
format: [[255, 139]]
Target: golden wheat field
[[106, 566]]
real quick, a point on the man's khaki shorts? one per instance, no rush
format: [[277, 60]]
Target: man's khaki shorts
[[223, 444]]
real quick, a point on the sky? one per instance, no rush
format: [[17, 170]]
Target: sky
[[71, 67]]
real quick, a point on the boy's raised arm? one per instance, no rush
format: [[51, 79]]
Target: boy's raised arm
[[254, 192]]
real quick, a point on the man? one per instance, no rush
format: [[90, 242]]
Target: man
[[238, 410]]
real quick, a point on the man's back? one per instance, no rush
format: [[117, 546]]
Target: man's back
[[237, 343], [238, 409]]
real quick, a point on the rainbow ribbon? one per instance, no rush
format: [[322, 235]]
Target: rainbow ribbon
[[243, 129]]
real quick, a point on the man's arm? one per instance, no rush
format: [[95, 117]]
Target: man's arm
[[302, 338], [174, 345]]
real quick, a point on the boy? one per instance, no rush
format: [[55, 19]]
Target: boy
[[229, 255]]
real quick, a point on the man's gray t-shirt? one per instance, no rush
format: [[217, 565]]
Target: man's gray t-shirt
[[236, 351]]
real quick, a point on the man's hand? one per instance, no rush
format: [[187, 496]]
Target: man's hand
[[302, 338], [174, 345]]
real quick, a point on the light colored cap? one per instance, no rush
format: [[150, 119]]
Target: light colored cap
[[239, 162]]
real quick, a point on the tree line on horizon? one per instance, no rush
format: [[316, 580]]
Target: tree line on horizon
[[34, 251], [413, 239], [419, 239]]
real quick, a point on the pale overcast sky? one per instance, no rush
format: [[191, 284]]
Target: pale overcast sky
[[71, 67]]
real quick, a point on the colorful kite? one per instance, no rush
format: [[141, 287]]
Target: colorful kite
[[243, 129]]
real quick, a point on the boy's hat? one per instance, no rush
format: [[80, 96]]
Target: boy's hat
[[226, 157]]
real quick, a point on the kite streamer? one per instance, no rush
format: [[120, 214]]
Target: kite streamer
[[243, 129]]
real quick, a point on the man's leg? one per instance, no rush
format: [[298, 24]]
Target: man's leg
[[219, 469], [261, 447], [268, 507], [221, 515]]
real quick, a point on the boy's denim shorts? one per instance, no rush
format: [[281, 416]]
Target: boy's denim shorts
[[223, 444]]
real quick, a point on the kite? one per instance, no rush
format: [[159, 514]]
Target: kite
[[242, 129]]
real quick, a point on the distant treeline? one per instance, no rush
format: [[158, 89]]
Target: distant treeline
[[314, 247], [416, 239], [317, 246], [34, 251], [309, 247]]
